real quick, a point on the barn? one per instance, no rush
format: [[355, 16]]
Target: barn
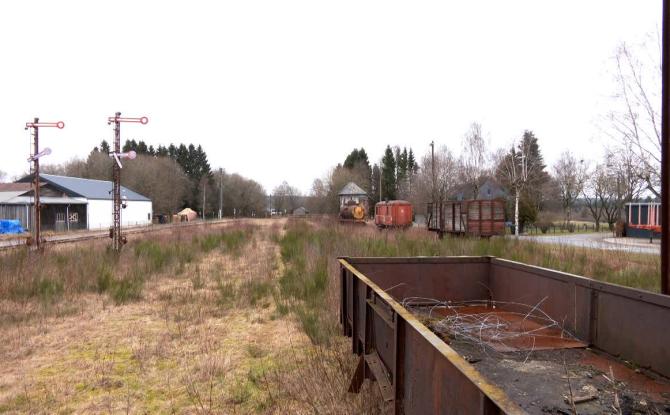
[[71, 203]]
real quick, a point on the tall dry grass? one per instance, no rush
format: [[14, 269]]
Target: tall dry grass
[[34, 283]]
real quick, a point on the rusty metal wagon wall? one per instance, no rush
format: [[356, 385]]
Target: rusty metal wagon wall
[[467, 217], [418, 373]]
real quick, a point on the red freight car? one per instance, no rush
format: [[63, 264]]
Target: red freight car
[[467, 217], [393, 214]]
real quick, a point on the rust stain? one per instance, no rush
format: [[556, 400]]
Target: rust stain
[[532, 334], [657, 388]]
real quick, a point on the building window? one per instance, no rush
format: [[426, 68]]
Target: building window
[[60, 216]]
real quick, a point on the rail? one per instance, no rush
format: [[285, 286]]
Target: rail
[[80, 237]]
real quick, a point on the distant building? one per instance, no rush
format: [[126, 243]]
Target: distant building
[[353, 193], [301, 211], [643, 219], [489, 189], [70, 203]]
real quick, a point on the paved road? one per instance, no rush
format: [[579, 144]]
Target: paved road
[[603, 241]]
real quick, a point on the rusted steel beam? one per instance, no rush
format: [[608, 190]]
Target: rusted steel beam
[[379, 373]]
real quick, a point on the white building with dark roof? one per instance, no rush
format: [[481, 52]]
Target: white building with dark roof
[[70, 203]]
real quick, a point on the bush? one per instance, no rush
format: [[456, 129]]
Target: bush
[[543, 226], [104, 280], [49, 291], [126, 289]]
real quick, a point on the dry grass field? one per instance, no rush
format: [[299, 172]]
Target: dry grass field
[[230, 319]]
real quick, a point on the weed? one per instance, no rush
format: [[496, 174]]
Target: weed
[[49, 291], [253, 291], [104, 280], [126, 289], [196, 280], [240, 392], [226, 293], [255, 350]]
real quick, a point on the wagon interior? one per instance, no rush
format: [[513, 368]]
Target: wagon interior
[[549, 342]]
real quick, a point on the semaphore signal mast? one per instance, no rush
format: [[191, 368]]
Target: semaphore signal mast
[[118, 240], [34, 158]]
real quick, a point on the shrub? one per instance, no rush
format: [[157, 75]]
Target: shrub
[[543, 226], [126, 289], [49, 291]]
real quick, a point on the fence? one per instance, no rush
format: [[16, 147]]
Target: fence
[[539, 229]]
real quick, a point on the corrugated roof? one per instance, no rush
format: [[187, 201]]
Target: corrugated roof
[[352, 189], [89, 188], [15, 187], [9, 195]]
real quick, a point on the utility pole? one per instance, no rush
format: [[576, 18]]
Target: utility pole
[[118, 240], [220, 193], [432, 166], [204, 198], [35, 159]]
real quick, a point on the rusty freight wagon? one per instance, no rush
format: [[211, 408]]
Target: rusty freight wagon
[[483, 335], [393, 214], [467, 217]]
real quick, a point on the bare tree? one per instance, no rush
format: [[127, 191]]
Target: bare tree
[[595, 193], [286, 197], [161, 179], [3, 176], [637, 121], [446, 176], [242, 196], [473, 162], [317, 202], [517, 166], [570, 175]]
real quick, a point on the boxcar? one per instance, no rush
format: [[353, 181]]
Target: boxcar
[[393, 214], [467, 217]]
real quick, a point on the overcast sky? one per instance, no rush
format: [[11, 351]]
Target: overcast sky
[[283, 90]]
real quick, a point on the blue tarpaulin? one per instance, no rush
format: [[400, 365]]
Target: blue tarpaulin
[[10, 226]]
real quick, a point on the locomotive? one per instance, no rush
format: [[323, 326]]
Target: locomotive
[[353, 212]]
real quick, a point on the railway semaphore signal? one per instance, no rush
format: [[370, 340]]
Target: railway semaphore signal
[[34, 158], [118, 240]]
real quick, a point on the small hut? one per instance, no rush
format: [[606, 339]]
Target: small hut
[[301, 211], [353, 194], [186, 215]]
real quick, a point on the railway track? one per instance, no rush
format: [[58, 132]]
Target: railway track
[[72, 238]]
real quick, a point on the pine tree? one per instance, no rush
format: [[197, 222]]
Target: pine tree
[[142, 148], [104, 147], [172, 151], [388, 174], [411, 163], [374, 185]]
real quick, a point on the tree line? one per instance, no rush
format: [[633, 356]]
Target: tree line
[[173, 177]]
